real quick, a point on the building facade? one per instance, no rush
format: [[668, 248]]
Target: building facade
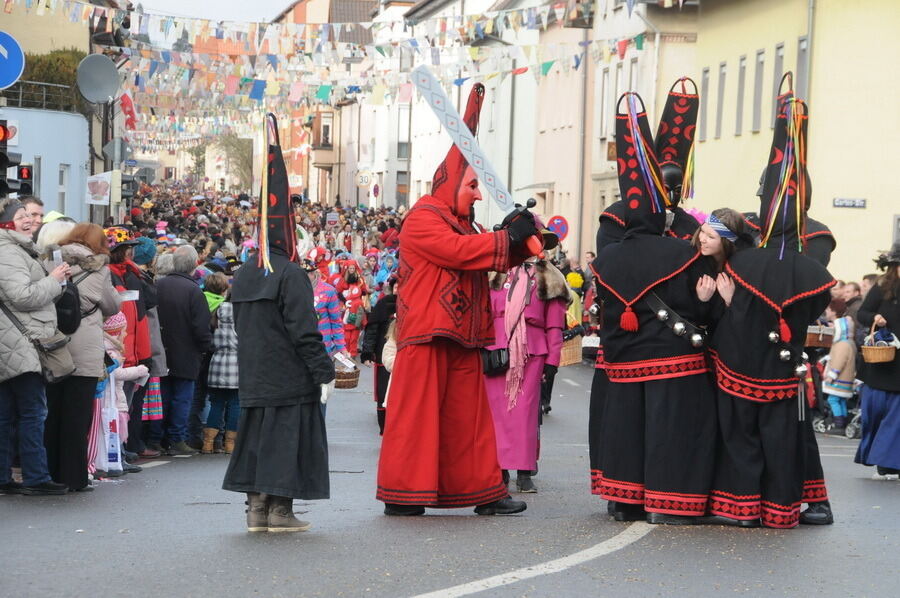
[[842, 55]]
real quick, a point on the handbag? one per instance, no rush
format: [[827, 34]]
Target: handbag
[[495, 361], [56, 361]]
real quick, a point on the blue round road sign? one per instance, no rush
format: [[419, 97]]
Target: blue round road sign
[[559, 226], [12, 60]]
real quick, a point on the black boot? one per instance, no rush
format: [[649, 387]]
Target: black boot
[[838, 424], [818, 513], [666, 519], [628, 512], [719, 520], [504, 506], [524, 483], [403, 510]]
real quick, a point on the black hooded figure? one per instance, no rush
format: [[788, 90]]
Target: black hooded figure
[[652, 436], [674, 150], [764, 470], [281, 452]]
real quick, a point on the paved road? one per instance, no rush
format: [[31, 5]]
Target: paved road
[[171, 531]]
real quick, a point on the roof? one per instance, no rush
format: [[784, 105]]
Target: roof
[[352, 11], [344, 11]]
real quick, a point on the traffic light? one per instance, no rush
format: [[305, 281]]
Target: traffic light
[[130, 186], [8, 159], [26, 179]]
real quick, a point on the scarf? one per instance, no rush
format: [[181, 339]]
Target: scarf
[[213, 301], [521, 283]]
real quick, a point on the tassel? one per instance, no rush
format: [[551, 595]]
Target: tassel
[[628, 321], [784, 330]]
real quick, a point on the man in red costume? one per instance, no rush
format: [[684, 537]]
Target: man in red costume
[[439, 448]]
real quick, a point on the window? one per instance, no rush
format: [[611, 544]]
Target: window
[[777, 73], [704, 102], [633, 75], [604, 102], [36, 177], [720, 98], [897, 229], [739, 114], [402, 187], [620, 83], [61, 189], [327, 120], [406, 59], [802, 70], [757, 90], [403, 132]]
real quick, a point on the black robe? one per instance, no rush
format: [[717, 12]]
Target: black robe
[[282, 447]]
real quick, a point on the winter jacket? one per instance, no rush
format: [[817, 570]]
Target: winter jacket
[[376, 328], [28, 291], [99, 301], [282, 356], [841, 370], [184, 322], [223, 366], [128, 277], [158, 365], [122, 374], [882, 376]]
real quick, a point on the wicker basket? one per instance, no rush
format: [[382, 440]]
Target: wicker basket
[[346, 378], [819, 336], [873, 354], [571, 352]]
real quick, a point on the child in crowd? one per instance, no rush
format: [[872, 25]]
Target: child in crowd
[[222, 380], [840, 373], [114, 344]]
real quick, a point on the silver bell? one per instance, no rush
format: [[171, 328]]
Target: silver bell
[[697, 340], [662, 315], [774, 337], [784, 355], [679, 328], [801, 370]]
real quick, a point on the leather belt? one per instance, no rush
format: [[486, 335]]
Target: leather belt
[[677, 324]]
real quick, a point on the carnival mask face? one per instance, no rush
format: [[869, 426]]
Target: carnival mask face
[[710, 241], [673, 177], [468, 194]]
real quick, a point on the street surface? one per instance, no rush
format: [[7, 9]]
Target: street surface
[[172, 531]]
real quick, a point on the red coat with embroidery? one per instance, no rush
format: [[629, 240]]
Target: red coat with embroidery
[[443, 288]]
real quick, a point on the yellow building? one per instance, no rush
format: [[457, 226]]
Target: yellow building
[[843, 55]]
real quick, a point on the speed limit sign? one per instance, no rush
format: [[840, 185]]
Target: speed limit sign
[[364, 179]]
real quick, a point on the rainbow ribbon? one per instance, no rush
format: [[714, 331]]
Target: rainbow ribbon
[[645, 153]]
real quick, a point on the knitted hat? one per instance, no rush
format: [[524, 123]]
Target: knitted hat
[[144, 251], [8, 209], [115, 323]]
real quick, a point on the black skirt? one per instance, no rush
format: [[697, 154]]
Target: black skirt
[[281, 451]]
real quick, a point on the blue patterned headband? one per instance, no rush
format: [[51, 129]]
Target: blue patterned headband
[[718, 226]]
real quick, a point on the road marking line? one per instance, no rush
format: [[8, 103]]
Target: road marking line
[[570, 382], [631, 534], [150, 464]]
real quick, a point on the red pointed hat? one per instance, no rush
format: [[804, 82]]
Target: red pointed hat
[[448, 176]]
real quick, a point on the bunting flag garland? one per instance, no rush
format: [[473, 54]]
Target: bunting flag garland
[[188, 79]]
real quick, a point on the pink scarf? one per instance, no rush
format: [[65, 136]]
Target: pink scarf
[[521, 281]]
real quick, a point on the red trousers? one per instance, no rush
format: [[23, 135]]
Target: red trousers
[[438, 448], [351, 339]]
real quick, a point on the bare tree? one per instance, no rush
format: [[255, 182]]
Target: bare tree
[[238, 156]]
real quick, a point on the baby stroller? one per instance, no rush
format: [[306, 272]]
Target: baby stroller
[[822, 417]]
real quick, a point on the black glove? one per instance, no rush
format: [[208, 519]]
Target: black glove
[[521, 227]]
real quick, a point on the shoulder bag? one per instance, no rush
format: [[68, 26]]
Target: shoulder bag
[[56, 361]]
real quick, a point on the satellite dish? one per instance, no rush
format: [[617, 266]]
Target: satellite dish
[[97, 78]]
